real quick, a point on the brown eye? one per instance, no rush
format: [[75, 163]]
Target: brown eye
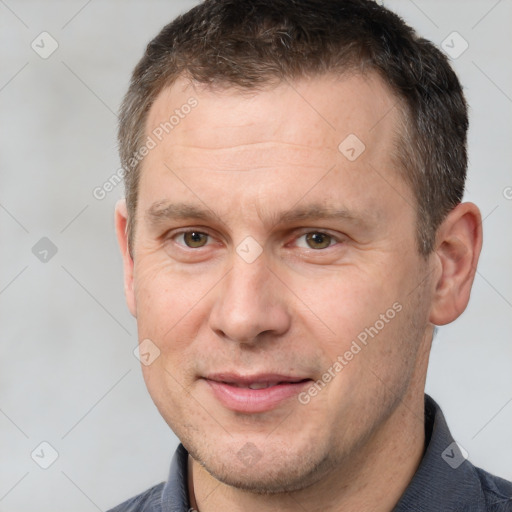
[[194, 239], [316, 240]]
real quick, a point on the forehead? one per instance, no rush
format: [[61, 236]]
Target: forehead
[[280, 139], [315, 113]]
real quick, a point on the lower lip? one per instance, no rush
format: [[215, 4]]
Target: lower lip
[[255, 400]]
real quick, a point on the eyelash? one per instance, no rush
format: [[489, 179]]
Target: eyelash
[[183, 232]]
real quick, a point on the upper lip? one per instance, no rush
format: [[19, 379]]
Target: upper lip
[[259, 378]]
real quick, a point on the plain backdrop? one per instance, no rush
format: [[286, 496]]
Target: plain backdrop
[[68, 375]]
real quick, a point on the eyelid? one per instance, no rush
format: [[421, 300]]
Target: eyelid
[[173, 234], [305, 231], [298, 234]]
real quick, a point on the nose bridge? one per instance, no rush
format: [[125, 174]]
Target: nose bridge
[[249, 302]]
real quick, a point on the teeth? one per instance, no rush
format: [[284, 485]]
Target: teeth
[[254, 385], [261, 385], [258, 385]]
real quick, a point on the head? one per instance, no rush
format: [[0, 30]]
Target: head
[[294, 177]]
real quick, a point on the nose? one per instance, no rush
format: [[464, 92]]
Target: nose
[[250, 303]]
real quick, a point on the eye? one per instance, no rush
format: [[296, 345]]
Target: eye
[[192, 239], [316, 240]]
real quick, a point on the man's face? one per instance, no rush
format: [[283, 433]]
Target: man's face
[[301, 273]]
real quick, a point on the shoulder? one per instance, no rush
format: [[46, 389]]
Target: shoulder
[[148, 501], [497, 491]]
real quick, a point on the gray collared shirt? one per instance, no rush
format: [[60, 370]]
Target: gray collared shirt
[[445, 481]]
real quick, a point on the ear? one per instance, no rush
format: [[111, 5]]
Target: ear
[[458, 245], [121, 221]]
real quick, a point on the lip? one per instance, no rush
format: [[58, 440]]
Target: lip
[[232, 392]]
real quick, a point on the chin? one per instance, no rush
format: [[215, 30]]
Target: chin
[[263, 485], [282, 470]]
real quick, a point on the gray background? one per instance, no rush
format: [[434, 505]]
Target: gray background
[[68, 375]]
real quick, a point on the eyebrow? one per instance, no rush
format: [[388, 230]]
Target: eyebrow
[[161, 212]]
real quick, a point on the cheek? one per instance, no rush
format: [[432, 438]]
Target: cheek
[[168, 305], [164, 294], [377, 326], [348, 303], [172, 307]]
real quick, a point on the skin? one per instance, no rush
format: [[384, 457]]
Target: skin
[[247, 158]]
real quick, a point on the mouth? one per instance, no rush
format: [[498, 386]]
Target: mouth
[[255, 393], [260, 385]]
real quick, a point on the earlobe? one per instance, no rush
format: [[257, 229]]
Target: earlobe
[[121, 223], [458, 245]]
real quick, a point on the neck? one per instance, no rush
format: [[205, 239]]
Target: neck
[[373, 480]]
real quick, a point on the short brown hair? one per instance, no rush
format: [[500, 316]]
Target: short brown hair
[[248, 44]]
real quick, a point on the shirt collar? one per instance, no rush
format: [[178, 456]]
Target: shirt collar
[[175, 492], [444, 480]]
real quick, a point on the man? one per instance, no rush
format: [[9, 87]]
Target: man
[[292, 234]]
